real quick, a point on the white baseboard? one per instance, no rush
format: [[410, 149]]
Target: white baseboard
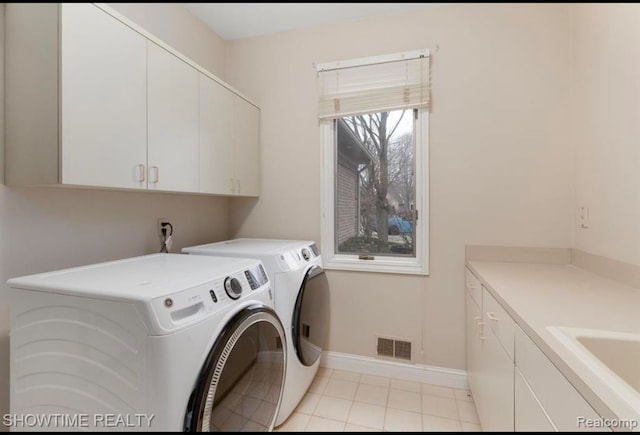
[[407, 372]]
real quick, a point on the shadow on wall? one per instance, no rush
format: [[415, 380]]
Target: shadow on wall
[[239, 212]]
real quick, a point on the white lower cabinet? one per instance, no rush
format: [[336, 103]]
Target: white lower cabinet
[[489, 366], [529, 415], [474, 342], [496, 384], [559, 399], [515, 387]]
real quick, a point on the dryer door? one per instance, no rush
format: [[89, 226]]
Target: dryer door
[[240, 386], [310, 322]]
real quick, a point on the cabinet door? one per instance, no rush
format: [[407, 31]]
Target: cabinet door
[[246, 143], [216, 137], [495, 405], [103, 99], [561, 401], [173, 122], [529, 414], [473, 342]]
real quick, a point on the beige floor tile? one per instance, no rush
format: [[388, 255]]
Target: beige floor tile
[[308, 403], [333, 408], [402, 421], [252, 426], [372, 394], [463, 395], [379, 381], [319, 424], [355, 428], [249, 405], [414, 387], [405, 401], [234, 423], [341, 389], [439, 424], [324, 372], [470, 427], [345, 375], [364, 414], [264, 413], [295, 423], [467, 412], [318, 385], [437, 390], [439, 406]]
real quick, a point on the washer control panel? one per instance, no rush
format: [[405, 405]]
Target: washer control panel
[[190, 305], [233, 287], [256, 277]]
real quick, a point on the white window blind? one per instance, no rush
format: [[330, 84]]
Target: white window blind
[[375, 84]]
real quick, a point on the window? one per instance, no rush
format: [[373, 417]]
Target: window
[[374, 135]]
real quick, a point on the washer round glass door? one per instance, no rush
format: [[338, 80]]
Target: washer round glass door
[[310, 322], [240, 386]]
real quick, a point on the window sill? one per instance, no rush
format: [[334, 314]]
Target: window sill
[[386, 265]]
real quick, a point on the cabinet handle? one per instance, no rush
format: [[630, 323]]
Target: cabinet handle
[[141, 176], [471, 286], [233, 186], [156, 172], [479, 328], [492, 316]]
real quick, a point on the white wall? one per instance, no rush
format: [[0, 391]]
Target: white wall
[[606, 126], [43, 229], [176, 26], [500, 155]]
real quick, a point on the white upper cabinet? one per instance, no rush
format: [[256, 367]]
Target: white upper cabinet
[[229, 142], [173, 154], [104, 99], [246, 145], [97, 101], [216, 138]]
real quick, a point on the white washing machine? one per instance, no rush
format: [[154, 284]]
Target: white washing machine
[[301, 301], [159, 342]]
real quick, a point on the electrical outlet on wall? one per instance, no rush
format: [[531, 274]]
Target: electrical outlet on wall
[[583, 216], [160, 221]]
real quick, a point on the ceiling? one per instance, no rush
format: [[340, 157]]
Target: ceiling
[[241, 20]]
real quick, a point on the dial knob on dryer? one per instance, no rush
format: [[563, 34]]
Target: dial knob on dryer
[[233, 287], [305, 254]]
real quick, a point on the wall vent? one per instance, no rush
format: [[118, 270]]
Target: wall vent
[[385, 347], [393, 348]]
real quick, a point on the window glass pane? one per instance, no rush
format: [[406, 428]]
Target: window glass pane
[[375, 184]]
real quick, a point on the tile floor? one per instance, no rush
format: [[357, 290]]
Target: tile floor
[[343, 401]]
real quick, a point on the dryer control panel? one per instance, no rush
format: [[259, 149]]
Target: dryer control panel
[[295, 258]]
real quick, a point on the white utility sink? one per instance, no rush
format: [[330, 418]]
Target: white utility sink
[[614, 360]]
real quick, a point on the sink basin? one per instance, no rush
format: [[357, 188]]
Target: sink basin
[[612, 357], [620, 355]]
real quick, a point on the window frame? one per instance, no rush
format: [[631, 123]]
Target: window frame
[[418, 265]]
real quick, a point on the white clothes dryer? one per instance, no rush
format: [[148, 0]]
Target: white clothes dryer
[[189, 342], [301, 301]]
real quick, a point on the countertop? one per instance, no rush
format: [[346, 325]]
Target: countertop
[[541, 295]]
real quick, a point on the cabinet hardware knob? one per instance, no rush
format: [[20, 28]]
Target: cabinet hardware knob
[[492, 316]]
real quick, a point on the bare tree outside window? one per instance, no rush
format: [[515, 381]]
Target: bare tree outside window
[[375, 184]]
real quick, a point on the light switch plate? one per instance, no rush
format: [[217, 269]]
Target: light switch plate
[[583, 216]]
